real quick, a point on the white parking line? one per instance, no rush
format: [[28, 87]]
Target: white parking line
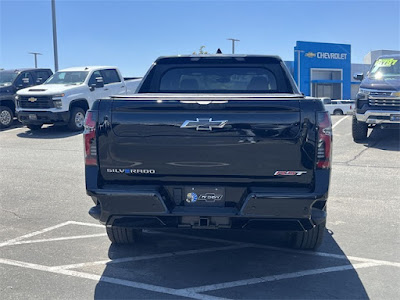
[[322, 254], [233, 284], [76, 237], [338, 122], [189, 292], [33, 234], [152, 256], [287, 250], [99, 278], [17, 241], [87, 224]]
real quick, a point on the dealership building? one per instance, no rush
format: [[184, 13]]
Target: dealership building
[[325, 69]]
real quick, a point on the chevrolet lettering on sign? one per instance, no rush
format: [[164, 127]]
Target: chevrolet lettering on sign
[[326, 55]]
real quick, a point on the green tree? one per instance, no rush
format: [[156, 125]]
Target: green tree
[[201, 51]]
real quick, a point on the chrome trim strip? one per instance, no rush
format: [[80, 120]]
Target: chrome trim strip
[[370, 116]]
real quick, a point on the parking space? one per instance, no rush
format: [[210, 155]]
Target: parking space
[[51, 248]]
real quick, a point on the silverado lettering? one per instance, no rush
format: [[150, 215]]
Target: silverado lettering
[[131, 171]]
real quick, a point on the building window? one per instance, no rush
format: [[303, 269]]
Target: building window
[[326, 83], [331, 90], [318, 74]]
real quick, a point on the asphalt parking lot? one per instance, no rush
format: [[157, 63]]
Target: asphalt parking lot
[[50, 248]]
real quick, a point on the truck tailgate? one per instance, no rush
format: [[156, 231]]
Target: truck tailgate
[[247, 142]]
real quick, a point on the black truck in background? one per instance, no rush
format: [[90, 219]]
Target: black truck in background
[[10, 82], [210, 142], [378, 99]]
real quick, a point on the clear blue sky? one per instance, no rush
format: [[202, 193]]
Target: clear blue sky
[[132, 34]]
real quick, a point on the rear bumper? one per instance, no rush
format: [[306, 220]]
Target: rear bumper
[[43, 117], [149, 209]]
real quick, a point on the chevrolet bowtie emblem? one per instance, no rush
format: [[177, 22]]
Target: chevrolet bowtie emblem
[[32, 99], [310, 54], [204, 124]]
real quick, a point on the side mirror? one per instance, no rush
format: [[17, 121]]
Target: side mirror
[[25, 83], [358, 76], [99, 83]]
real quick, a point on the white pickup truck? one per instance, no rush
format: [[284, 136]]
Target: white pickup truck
[[338, 107], [66, 96]]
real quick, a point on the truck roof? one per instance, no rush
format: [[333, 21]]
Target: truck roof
[[390, 56], [218, 56], [24, 69], [87, 68]]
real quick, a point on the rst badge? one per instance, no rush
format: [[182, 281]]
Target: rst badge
[[289, 173]]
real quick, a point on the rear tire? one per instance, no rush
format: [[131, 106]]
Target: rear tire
[[338, 112], [308, 240], [6, 117], [77, 119], [123, 235], [34, 127], [359, 130]]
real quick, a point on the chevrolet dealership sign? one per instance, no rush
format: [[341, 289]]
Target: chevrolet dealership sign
[[313, 57], [326, 55]]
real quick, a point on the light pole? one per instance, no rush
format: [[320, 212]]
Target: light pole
[[298, 67], [35, 54], [53, 11], [233, 44]]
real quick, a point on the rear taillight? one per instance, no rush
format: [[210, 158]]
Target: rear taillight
[[89, 137], [324, 140]]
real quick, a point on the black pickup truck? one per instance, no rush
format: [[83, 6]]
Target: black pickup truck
[[10, 82], [210, 142]]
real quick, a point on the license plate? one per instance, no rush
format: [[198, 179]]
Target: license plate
[[32, 117], [395, 118], [205, 196]]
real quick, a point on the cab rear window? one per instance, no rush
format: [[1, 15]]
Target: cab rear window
[[218, 79], [217, 75]]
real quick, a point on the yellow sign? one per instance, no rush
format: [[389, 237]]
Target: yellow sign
[[310, 54], [385, 62]]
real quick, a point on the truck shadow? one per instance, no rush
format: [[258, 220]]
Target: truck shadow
[[172, 261], [15, 124], [384, 139], [48, 132]]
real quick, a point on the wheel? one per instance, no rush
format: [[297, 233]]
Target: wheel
[[6, 116], [34, 126], [123, 235], [359, 130], [77, 119], [308, 240], [338, 112]]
